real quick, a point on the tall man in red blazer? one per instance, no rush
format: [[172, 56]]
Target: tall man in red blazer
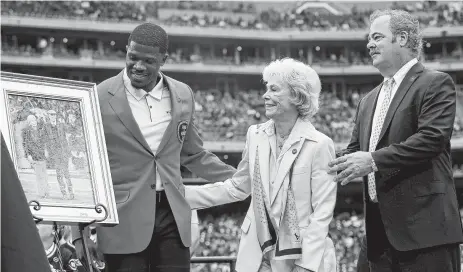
[[148, 124], [401, 147]]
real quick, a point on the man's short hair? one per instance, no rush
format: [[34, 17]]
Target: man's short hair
[[150, 34], [402, 20]]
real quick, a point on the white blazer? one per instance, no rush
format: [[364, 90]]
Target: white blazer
[[314, 190]]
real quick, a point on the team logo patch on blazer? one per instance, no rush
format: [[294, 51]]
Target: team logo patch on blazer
[[181, 130]]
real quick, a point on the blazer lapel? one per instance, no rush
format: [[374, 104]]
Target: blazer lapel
[[407, 82], [286, 162], [370, 112], [120, 105], [176, 110]]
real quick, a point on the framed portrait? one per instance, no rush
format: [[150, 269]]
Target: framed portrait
[[54, 133]]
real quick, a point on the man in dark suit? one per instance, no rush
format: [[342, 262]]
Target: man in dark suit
[[400, 145], [22, 249], [58, 149]]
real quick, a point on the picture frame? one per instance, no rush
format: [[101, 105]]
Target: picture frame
[[54, 133]]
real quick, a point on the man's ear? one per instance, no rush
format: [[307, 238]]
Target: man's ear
[[402, 38]]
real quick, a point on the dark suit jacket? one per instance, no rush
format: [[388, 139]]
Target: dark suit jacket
[[34, 143], [415, 186], [58, 146], [22, 249], [133, 166]]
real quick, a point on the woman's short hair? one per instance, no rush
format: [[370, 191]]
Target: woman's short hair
[[303, 82]]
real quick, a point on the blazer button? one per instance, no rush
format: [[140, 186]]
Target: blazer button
[[294, 151], [153, 186]]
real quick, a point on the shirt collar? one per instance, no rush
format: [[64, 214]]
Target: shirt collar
[[302, 129], [139, 94], [400, 75]]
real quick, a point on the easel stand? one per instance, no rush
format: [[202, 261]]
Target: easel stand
[[99, 208]]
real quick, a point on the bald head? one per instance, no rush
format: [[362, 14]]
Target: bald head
[[32, 121]]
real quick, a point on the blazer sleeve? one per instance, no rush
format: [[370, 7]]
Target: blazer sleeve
[[435, 126], [323, 189], [234, 189], [199, 160]]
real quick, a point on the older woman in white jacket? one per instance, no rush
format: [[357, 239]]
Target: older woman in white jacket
[[284, 168]]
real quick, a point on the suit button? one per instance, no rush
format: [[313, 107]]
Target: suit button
[[153, 186], [294, 151], [156, 157]]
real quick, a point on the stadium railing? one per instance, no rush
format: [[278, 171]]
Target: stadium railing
[[216, 259], [202, 68]]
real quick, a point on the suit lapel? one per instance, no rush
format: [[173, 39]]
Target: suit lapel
[[372, 99], [175, 102], [120, 105], [407, 82]]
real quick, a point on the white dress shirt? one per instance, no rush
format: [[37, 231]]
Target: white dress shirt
[[398, 78], [152, 112], [274, 165]]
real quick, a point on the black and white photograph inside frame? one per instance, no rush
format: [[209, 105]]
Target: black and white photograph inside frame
[[53, 131]]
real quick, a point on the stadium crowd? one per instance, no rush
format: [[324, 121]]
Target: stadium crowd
[[431, 13], [224, 117], [220, 237]]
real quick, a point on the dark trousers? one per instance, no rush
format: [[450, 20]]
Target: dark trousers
[[385, 258], [165, 252], [62, 168]]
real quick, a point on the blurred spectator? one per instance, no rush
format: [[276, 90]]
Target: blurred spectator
[[335, 117]]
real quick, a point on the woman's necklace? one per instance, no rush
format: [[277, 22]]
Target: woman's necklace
[[281, 140]]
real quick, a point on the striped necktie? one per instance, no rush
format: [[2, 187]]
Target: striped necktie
[[376, 131]]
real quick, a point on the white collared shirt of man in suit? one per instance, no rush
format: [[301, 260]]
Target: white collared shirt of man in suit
[[152, 112], [397, 80]]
